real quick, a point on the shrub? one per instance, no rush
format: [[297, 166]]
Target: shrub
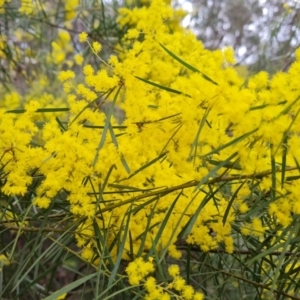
[[194, 193]]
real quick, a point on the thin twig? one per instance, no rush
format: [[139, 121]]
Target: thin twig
[[249, 281], [242, 252], [163, 191], [188, 185]]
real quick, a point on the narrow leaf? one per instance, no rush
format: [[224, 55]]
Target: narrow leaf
[[187, 229], [124, 162], [238, 139], [151, 162], [70, 287], [163, 225], [159, 86], [40, 110], [214, 170], [60, 124], [231, 202], [188, 65], [270, 250], [121, 250], [196, 140], [106, 127]]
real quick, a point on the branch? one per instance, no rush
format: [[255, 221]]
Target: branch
[[193, 183]]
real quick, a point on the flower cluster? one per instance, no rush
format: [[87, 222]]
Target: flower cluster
[[179, 284], [179, 128], [138, 270], [191, 123]]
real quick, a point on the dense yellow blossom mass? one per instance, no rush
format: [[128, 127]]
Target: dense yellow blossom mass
[[191, 122]]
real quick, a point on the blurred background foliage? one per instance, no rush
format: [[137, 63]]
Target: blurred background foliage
[[37, 40], [263, 33]]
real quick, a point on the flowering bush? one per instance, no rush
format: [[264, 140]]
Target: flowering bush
[[203, 163]]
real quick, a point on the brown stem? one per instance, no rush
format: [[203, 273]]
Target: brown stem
[[242, 252], [164, 191], [190, 184]]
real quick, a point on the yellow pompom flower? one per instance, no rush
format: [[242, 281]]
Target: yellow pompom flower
[[96, 47], [82, 37], [66, 75], [150, 284], [188, 292], [174, 270], [78, 58], [198, 296], [138, 269], [26, 7], [228, 53], [258, 229], [179, 283]]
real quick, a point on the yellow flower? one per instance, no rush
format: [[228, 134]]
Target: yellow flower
[[174, 270], [188, 292], [228, 240], [246, 230], [3, 261], [88, 70], [174, 252], [198, 296], [150, 284], [82, 37], [87, 253], [70, 8], [135, 279], [258, 229], [139, 269], [179, 283], [42, 202], [66, 75], [78, 58], [133, 33], [63, 38], [228, 53], [259, 81], [243, 208], [26, 7], [96, 47], [287, 8], [32, 106]]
